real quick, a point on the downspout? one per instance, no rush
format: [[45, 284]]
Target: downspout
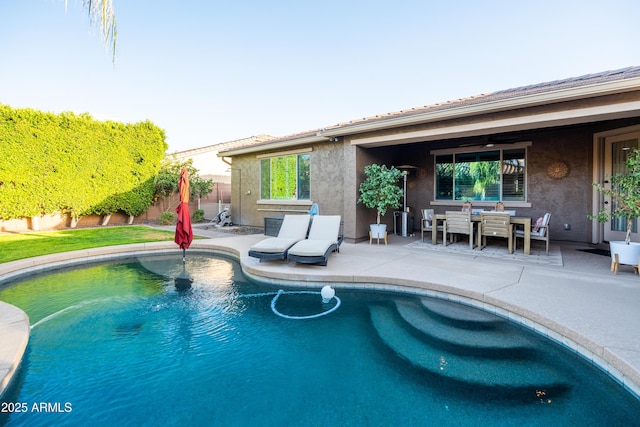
[[231, 169]]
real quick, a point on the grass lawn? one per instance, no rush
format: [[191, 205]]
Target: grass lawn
[[25, 245]]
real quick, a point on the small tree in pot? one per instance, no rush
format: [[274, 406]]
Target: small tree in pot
[[380, 189], [625, 202]]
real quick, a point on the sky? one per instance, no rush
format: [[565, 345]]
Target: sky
[[209, 72]]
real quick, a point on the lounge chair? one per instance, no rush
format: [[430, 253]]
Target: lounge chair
[[293, 229], [324, 238]]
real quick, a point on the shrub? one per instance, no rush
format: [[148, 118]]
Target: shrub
[[75, 164], [198, 216], [166, 218]]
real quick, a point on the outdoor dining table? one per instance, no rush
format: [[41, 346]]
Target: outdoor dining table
[[519, 220]]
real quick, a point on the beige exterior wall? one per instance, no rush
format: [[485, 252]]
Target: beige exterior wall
[[328, 169], [568, 199], [337, 169]]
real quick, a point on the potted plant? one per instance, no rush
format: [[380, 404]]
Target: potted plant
[[380, 191], [625, 203]]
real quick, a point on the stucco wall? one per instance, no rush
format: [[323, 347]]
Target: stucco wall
[[337, 169], [329, 177], [568, 199]]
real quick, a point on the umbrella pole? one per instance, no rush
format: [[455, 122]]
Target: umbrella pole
[[183, 281]]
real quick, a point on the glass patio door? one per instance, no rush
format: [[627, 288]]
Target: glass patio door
[[616, 150]]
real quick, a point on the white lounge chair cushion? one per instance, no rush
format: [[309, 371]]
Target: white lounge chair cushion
[[293, 229], [323, 233], [325, 227], [274, 245], [294, 226], [311, 247]]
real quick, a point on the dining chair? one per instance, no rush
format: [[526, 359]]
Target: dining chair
[[458, 223], [427, 223], [499, 207], [467, 207], [539, 231], [495, 224]]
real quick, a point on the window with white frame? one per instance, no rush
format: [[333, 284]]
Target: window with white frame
[[285, 177], [491, 175]]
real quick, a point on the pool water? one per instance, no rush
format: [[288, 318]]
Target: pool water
[[116, 343]]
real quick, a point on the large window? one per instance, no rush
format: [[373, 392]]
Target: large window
[[285, 177], [484, 175]]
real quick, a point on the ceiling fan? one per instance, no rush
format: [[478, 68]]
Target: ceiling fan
[[491, 141]]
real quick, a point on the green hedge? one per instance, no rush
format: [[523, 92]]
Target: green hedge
[[74, 164]]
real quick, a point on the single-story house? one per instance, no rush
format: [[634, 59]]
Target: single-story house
[[538, 147]]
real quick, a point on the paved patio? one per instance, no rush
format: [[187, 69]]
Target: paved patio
[[578, 301]]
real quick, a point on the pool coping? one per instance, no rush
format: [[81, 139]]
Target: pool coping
[[14, 323]]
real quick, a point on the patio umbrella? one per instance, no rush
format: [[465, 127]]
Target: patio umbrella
[[184, 232]]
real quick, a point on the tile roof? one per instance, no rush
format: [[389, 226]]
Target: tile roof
[[539, 88], [573, 82], [224, 146]]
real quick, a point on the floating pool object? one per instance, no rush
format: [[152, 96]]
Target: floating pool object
[[327, 294]]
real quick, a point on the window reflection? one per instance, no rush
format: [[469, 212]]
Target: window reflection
[[485, 175], [285, 177]]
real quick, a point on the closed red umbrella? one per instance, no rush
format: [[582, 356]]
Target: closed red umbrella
[[184, 232]]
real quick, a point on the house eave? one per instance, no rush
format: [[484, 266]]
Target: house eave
[[274, 145], [457, 112], [499, 125], [525, 101]]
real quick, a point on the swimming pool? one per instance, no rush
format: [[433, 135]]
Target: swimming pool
[[117, 343]]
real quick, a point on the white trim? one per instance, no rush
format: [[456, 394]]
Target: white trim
[[597, 229], [285, 153], [272, 145], [284, 202], [481, 148], [526, 122], [550, 97]]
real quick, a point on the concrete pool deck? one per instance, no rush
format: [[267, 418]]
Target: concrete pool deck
[[579, 303]]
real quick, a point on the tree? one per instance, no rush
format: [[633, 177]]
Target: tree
[[166, 181], [624, 193], [380, 190]]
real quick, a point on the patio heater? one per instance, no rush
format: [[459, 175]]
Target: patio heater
[[406, 169]]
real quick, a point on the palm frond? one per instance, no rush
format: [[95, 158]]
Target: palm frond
[[101, 12]]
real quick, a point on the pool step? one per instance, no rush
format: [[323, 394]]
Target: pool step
[[459, 314], [463, 336], [509, 373]]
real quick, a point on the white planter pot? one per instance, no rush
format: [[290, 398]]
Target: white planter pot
[[627, 254], [378, 230]]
